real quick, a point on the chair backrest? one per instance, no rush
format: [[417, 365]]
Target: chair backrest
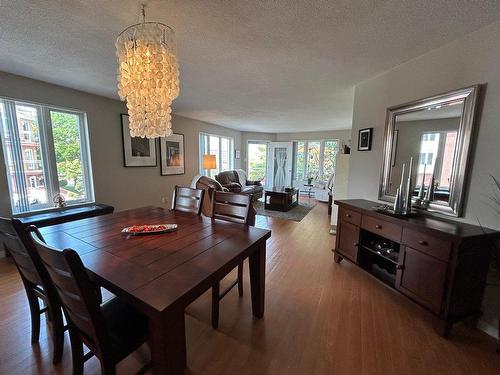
[[232, 207], [25, 263], [77, 293], [188, 199]]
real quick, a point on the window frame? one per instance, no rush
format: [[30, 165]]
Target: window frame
[[47, 154], [305, 170], [205, 150]]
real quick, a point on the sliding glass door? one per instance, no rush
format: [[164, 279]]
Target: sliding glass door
[[257, 161]]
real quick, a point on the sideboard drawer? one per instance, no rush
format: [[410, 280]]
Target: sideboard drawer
[[381, 227], [350, 216], [435, 247]]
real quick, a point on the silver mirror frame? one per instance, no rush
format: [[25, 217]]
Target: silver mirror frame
[[470, 96]]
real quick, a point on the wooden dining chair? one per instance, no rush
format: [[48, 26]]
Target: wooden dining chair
[[235, 208], [110, 331], [188, 199], [37, 285]]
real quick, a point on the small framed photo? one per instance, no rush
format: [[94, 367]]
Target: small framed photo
[[365, 139], [172, 154], [237, 154], [137, 152]]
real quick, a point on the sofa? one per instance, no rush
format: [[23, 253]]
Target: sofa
[[236, 181]]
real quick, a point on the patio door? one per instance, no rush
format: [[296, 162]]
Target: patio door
[[279, 165]]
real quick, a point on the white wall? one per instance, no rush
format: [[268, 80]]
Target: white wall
[[472, 59], [114, 184]]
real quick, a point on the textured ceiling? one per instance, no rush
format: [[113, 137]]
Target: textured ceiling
[[270, 66]]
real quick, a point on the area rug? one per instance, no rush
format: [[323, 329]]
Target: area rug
[[296, 214]]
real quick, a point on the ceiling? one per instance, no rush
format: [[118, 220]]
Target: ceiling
[[268, 66]]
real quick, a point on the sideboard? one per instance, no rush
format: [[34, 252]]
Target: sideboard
[[438, 263]]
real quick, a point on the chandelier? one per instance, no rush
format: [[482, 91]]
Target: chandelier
[[148, 77]]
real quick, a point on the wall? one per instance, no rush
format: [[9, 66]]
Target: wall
[[472, 59], [114, 184]]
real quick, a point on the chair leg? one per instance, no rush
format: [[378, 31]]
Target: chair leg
[[240, 279], [215, 305], [57, 333], [35, 314], [76, 352], [108, 368]]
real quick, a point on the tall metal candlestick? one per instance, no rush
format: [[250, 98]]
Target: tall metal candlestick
[[409, 188], [421, 192]]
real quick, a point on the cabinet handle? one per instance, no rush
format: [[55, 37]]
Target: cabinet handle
[[347, 215], [423, 243], [356, 244], [378, 226], [400, 267]]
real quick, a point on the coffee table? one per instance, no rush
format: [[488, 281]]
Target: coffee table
[[281, 199]]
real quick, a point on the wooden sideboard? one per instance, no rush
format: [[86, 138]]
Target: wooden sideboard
[[438, 263]]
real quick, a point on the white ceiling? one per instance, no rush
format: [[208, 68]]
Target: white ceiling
[[269, 66]]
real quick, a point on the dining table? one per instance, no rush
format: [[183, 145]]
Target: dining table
[[161, 274]]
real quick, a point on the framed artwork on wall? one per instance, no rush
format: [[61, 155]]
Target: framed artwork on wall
[[137, 152], [365, 139], [172, 155]]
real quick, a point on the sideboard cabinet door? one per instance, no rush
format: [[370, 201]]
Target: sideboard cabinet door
[[422, 278], [348, 240]]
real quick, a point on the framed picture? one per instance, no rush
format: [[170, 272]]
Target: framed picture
[[137, 152], [172, 154], [365, 139], [237, 154]]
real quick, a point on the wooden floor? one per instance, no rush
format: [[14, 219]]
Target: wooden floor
[[321, 318]]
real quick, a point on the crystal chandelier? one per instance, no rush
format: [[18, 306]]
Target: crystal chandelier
[[148, 77]]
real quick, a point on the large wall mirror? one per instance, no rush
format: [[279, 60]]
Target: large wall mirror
[[437, 132]]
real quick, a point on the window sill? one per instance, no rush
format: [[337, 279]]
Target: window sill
[[66, 214], [53, 209]]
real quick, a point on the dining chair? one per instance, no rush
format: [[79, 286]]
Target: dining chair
[[37, 285], [110, 331], [235, 208], [187, 199]]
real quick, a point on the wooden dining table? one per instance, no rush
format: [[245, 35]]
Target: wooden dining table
[[162, 274]]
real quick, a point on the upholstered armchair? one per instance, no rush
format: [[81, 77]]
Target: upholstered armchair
[[236, 182]]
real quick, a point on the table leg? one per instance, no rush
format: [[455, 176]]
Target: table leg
[[168, 343], [257, 265]]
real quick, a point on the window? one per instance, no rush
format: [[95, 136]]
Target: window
[[46, 153], [314, 159], [221, 147], [300, 160], [257, 161]]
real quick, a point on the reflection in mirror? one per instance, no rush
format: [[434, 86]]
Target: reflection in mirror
[[429, 136], [435, 132]]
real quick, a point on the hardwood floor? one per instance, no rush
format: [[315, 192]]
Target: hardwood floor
[[321, 318]]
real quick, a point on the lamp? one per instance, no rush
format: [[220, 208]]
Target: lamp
[[209, 162], [148, 77]]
